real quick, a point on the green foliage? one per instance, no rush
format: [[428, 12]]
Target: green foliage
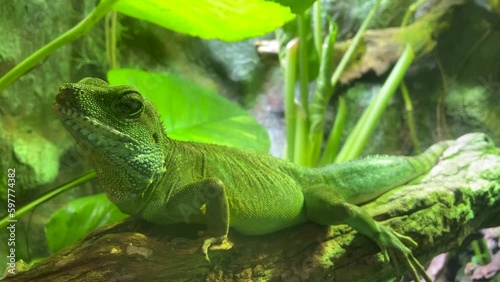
[[297, 6], [368, 121], [78, 30], [193, 113], [79, 217], [31, 205], [228, 20], [305, 135]]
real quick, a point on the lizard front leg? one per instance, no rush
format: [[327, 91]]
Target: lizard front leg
[[324, 206], [204, 199]]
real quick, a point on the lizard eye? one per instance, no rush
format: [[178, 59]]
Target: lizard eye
[[129, 105]]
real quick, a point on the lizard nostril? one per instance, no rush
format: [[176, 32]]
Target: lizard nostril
[[63, 91], [60, 98], [65, 87], [68, 92], [70, 89]]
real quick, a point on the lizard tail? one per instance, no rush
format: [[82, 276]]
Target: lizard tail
[[428, 159], [362, 180]]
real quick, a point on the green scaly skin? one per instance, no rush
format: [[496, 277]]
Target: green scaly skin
[[163, 181]]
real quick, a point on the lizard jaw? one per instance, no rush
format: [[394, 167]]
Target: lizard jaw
[[91, 130]]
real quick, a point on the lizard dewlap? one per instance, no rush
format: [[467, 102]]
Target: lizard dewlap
[[164, 181]]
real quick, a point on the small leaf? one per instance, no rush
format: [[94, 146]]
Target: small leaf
[[193, 113], [79, 217], [229, 20]]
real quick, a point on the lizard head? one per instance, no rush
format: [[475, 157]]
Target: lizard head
[[119, 130], [101, 116]]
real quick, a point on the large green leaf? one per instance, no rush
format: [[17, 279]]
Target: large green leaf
[[228, 20], [193, 113], [77, 218], [297, 6]]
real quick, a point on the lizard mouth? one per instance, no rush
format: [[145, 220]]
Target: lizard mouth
[[87, 128]]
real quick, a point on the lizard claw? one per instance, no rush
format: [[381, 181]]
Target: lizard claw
[[394, 248], [222, 243]]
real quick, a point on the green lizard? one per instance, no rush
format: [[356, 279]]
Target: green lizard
[[163, 181]]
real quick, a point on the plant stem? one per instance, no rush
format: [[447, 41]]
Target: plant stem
[[107, 36], [366, 124], [113, 41], [332, 144], [290, 107], [409, 117], [481, 252], [404, 90], [410, 11], [303, 62], [302, 150], [27, 208], [71, 35], [317, 26], [317, 107], [323, 88], [302, 147]]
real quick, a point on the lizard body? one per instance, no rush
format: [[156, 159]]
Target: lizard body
[[163, 181]]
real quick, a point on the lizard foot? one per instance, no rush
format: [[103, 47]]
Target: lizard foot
[[215, 243], [394, 247]]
